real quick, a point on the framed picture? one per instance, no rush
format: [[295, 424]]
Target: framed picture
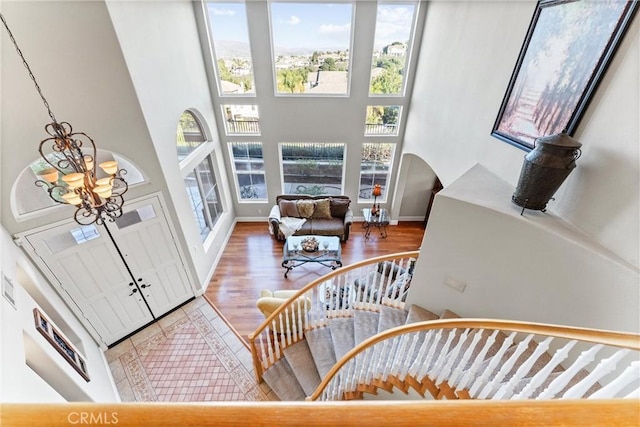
[[565, 53]]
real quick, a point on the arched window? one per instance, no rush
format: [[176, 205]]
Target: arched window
[[28, 200], [189, 135], [197, 165]]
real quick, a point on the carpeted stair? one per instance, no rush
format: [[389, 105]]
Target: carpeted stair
[[299, 373]]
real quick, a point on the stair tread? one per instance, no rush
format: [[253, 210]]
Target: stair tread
[[321, 346], [448, 314], [342, 335], [391, 317], [282, 380], [365, 324], [419, 314], [303, 366]]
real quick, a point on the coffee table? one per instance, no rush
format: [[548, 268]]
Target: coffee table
[[329, 252]]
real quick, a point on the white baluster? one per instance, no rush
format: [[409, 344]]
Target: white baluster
[[506, 368], [452, 357], [442, 357], [404, 367], [287, 331], [506, 390], [391, 356], [635, 394], [544, 373], [486, 374], [401, 354], [605, 367], [609, 391], [470, 373], [563, 379], [270, 348], [458, 370], [421, 357], [430, 356]]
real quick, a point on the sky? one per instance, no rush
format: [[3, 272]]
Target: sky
[[311, 25]]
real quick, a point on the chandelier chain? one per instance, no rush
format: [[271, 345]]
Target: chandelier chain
[[26, 65]]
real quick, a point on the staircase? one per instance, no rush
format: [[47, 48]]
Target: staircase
[[348, 333]]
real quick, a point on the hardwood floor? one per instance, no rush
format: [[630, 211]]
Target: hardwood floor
[[252, 262]]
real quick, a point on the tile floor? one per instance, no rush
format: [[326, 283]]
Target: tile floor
[[191, 355]]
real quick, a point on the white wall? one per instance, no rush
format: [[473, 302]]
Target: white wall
[[531, 267], [160, 43], [19, 383], [468, 52]]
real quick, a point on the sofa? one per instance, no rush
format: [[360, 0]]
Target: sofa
[[300, 215]]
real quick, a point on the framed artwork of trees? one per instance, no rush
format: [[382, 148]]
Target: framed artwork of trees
[[567, 49]]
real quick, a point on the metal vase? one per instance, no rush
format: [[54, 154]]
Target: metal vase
[[544, 169]]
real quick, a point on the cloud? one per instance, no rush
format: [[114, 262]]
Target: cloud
[[393, 24], [223, 12], [293, 20], [333, 29]]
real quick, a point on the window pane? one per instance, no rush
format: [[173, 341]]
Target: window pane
[[209, 188], [312, 168], [375, 168], [249, 170], [241, 119], [230, 37], [382, 120], [193, 191], [391, 48], [189, 135], [311, 46]]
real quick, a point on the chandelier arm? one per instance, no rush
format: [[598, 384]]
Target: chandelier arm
[[50, 189], [26, 65]]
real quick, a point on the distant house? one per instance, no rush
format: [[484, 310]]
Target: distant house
[[328, 82], [395, 49]]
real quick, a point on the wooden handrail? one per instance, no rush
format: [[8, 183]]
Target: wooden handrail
[[612, 338], [323, 279], [523, 413]]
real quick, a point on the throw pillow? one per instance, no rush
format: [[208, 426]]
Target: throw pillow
[[339, 207], [305, 208], [288, 208], [322, 209]]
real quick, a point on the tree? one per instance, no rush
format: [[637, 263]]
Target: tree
[[390, 81], [390, 115], [329, 65], [292, 80]]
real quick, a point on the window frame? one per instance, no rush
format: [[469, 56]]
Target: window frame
[[383, 135], [190, 164], [385, 192], [281, 162], [214, 55], [347, 93], [249, 172], [410, 45]]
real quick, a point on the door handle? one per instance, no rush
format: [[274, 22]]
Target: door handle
[[133, 291]]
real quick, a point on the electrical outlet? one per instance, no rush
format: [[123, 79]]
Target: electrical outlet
[[458, 285]]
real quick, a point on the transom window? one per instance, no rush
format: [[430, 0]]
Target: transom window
[[189, 135], [382, 120], [311, 45], [229, 35], [248, 166], [312, 168], [375, 168], [392, 45]]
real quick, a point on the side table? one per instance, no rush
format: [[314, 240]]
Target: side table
[[379, 221]]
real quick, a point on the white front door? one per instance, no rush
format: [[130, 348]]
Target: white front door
[[115, 297]]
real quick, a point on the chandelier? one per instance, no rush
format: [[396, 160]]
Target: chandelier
[[70, 176]]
